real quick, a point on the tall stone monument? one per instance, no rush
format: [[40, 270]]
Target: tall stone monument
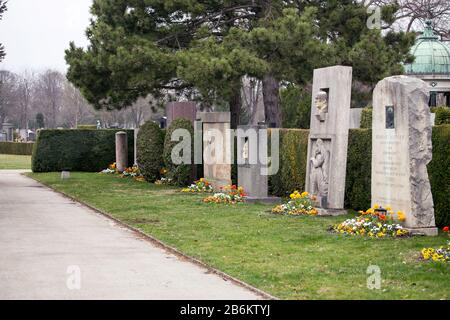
[[253, 163], [401, 150], [185, 110], [328, 140], [213, 145]]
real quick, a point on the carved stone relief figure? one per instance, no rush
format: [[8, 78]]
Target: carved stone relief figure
[[321, 104], [319, 169]]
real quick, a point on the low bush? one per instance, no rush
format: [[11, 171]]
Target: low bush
[[293, 160], [359, 168], [439, 172], [442, 115], [16, 148], [150, 149], [77, 150], [366, 118], [179, 174]]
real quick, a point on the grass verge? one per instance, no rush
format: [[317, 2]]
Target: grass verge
[[290, 258], [8, 161]]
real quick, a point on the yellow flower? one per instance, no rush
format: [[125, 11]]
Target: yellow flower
[[388, 208], [401, 216], [376, 206]]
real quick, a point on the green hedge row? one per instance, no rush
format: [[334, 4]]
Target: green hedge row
[[77, 150], [17, 148], [293, 161], [439, 172], [442, 115]]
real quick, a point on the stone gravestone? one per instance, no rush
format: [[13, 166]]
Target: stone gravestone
[[121, 151], [186, 110], [213, 145], [401, 150], [328, 140], [253, 163]]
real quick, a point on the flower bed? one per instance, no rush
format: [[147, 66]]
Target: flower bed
[[164, 180], [131, 172], [441, 254], [199, 186], [373, 224], [300, 204], [229, 195], [112, 169]]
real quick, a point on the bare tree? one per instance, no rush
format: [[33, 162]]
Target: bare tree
[[8, 87], [49, 92], [24, 96], [253, 104], [413, 14], [74, 109]]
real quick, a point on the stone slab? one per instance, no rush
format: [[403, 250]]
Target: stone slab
[[402, 149], [328, 140]]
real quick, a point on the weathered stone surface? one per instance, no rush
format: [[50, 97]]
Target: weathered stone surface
[[252, 159], [327, 149], [214, 128], [121, 151], [186, 110], [401, 151]]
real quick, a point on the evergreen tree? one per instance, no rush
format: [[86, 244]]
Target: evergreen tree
[[2, 11], [141, 47]]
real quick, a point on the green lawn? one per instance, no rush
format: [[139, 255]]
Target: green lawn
[[8, 161], [289, 257]]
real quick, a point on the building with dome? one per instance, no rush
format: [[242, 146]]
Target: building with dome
[[432, 65]]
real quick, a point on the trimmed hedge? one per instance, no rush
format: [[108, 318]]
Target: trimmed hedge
[[439, 172], [293, 161], [77, 150], [366, 118], [16, 148], [181, 175], [442, 115], [359, 169], [150, 148]]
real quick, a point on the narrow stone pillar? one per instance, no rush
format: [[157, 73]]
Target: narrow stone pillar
[[121, 151]]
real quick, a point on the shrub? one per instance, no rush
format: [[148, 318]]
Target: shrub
[[293, 160], [150, 148], [359, 168], [439, 172], [182, 174], [16, 148], [442, 115], [366, 118], [77, 150]]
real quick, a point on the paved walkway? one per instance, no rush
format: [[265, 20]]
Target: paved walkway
[[53, 248]]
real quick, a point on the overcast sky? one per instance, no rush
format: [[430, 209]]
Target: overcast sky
[[35, 33]]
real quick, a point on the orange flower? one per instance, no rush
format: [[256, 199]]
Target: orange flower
[[446, 229]]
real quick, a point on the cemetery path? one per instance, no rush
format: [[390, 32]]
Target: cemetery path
[[54, 248]]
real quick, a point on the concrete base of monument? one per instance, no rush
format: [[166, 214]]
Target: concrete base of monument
[[429, 232], [266, 200], [331, 212]]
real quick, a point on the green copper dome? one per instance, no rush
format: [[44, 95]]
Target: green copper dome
[[432, 55]]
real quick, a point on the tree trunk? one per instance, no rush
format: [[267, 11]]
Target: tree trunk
[[235, 106], [271, 96]]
